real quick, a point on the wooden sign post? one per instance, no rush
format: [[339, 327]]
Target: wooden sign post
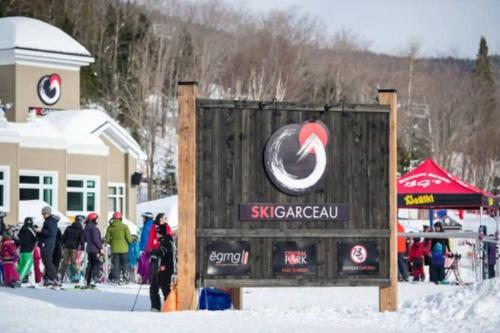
[[187, 197], [388, 296]]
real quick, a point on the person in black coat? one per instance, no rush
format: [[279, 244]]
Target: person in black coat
[[72, 241], [27, 236], [164, 268], [27, 241], [48, 240]]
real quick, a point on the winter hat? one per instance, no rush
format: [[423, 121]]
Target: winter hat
[[117, 216], [28, 222], [7, 235], [46, 210], [147, 215], [92, 217], [79, 218]]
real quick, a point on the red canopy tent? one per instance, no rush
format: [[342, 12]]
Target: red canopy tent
[[431, 186]]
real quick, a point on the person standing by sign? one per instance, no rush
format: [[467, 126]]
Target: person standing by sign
[[143, 268], [164, 267], [439, 248], [48, 239], [403, 273], [119, 237]]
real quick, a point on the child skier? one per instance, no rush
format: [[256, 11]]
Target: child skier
[[133, 257], [416, 258], [8, 255]]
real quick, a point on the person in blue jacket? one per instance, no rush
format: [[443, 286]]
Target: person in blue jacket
[[143, 268], [146, 228]]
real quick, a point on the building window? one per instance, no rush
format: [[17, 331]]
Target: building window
[[4, 188], [38, 185], [116, 198], [82, 194]]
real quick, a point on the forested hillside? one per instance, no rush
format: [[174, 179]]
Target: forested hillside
[[448, 106]]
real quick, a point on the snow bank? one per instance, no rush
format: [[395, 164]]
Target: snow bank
[[445, 308], [473, 308]]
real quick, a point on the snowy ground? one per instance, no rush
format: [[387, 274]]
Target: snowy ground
[[424, 307]]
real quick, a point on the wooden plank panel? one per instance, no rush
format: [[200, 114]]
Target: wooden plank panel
[[356, 139]]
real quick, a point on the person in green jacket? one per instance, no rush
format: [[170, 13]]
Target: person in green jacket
[[119, 237]]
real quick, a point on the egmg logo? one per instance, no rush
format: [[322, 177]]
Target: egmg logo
[[229, 258], [295, 157], [49, 88]]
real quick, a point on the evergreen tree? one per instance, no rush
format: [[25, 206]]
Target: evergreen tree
[[485, 93]]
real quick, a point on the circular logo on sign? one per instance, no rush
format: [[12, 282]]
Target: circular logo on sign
[[49, 89], [295, 157], [359, 254]]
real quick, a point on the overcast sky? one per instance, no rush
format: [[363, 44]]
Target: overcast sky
[[441, 27]]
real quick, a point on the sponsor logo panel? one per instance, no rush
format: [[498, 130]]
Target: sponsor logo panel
[[294, 258], [358, 258], [228, 258]]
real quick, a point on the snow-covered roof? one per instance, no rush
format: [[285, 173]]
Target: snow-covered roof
[[78, 131], [26, 40], [95, 122]]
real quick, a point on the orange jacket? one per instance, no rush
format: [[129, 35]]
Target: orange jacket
[[401, 240]]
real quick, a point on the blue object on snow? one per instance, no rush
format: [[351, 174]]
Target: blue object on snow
[[442, 213], [214, 299]]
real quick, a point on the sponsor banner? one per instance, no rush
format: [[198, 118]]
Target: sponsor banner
[[358, 258], [41, 111], [294, 258], [442, 200], [295, 157], [293, 212], [228, 258]]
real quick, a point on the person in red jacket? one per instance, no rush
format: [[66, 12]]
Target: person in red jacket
[[9, 257], [416, 258], [153, 241]]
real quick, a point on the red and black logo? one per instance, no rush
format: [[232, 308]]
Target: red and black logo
[[295, 157], [358, 258], [49, 88]]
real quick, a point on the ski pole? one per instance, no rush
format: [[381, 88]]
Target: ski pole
[[136, 297]]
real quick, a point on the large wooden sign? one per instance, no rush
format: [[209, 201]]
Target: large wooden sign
[[294, 182], [286, 194]]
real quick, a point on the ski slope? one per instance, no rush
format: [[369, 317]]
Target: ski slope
[[424, 307]]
